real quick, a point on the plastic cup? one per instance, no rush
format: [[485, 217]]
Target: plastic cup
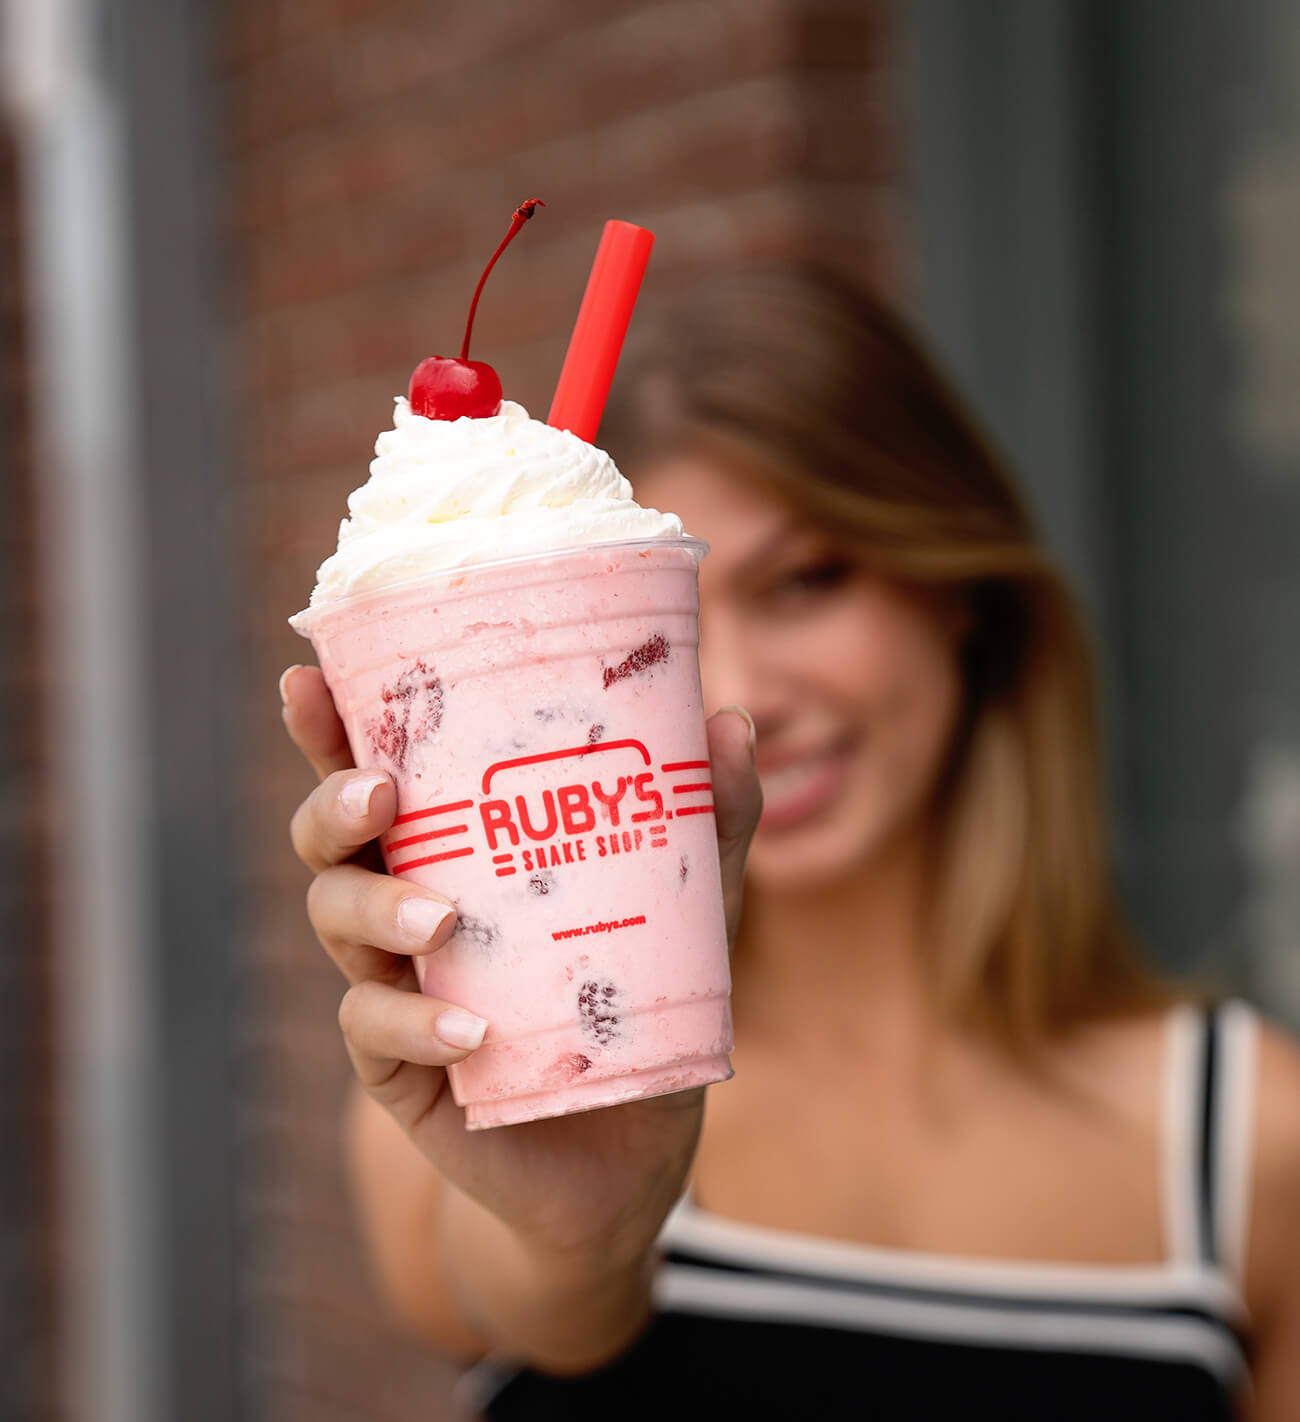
[[541, 718]]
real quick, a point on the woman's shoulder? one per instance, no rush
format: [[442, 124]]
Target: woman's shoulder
[[1272, 1283], [1273, 1267], [1279, 1086]]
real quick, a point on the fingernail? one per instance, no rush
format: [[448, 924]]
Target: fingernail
[[459, 1028], [355, 795], [422, 918], [284, 695], [749, 721]]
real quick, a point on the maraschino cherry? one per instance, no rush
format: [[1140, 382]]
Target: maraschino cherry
[[446, 387]]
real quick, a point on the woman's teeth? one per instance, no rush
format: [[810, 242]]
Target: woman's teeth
[[790, 779], [793, 792]]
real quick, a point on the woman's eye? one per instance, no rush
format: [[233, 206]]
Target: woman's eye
[[811, 579]]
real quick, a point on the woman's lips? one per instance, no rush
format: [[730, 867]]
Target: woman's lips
[[795, 790]]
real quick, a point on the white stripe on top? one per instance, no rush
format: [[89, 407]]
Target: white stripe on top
[[1184, 1054], [1192, 1284]]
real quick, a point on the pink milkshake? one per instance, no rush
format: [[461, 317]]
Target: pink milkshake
[[513, 638], [541, 718]]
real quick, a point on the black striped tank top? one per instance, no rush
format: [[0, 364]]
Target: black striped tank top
[[754, 1323]]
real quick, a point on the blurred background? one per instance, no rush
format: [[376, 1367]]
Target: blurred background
[[227, 231]]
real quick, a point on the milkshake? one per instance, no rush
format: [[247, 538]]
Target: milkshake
[[510, 636]]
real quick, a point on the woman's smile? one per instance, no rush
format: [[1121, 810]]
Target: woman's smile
[[799, 784]]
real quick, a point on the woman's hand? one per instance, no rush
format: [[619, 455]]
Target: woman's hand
[[579, 1194]]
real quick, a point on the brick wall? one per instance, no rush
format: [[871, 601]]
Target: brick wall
[[375, 150], [26, 1108]]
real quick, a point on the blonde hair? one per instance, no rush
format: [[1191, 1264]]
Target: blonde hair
[[814, 388]]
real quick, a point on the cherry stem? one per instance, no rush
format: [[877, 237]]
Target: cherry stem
[[522, 213]]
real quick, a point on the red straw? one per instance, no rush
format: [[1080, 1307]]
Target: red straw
[[600, 328]]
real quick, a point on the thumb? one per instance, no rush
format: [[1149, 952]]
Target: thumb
[[737, 798], [312, 722]]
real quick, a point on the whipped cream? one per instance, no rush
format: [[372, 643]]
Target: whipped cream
[[443, 493]]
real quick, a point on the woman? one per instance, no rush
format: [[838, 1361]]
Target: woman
[[975, 1156]]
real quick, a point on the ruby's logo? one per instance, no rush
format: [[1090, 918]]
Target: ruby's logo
[[607, 806]]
